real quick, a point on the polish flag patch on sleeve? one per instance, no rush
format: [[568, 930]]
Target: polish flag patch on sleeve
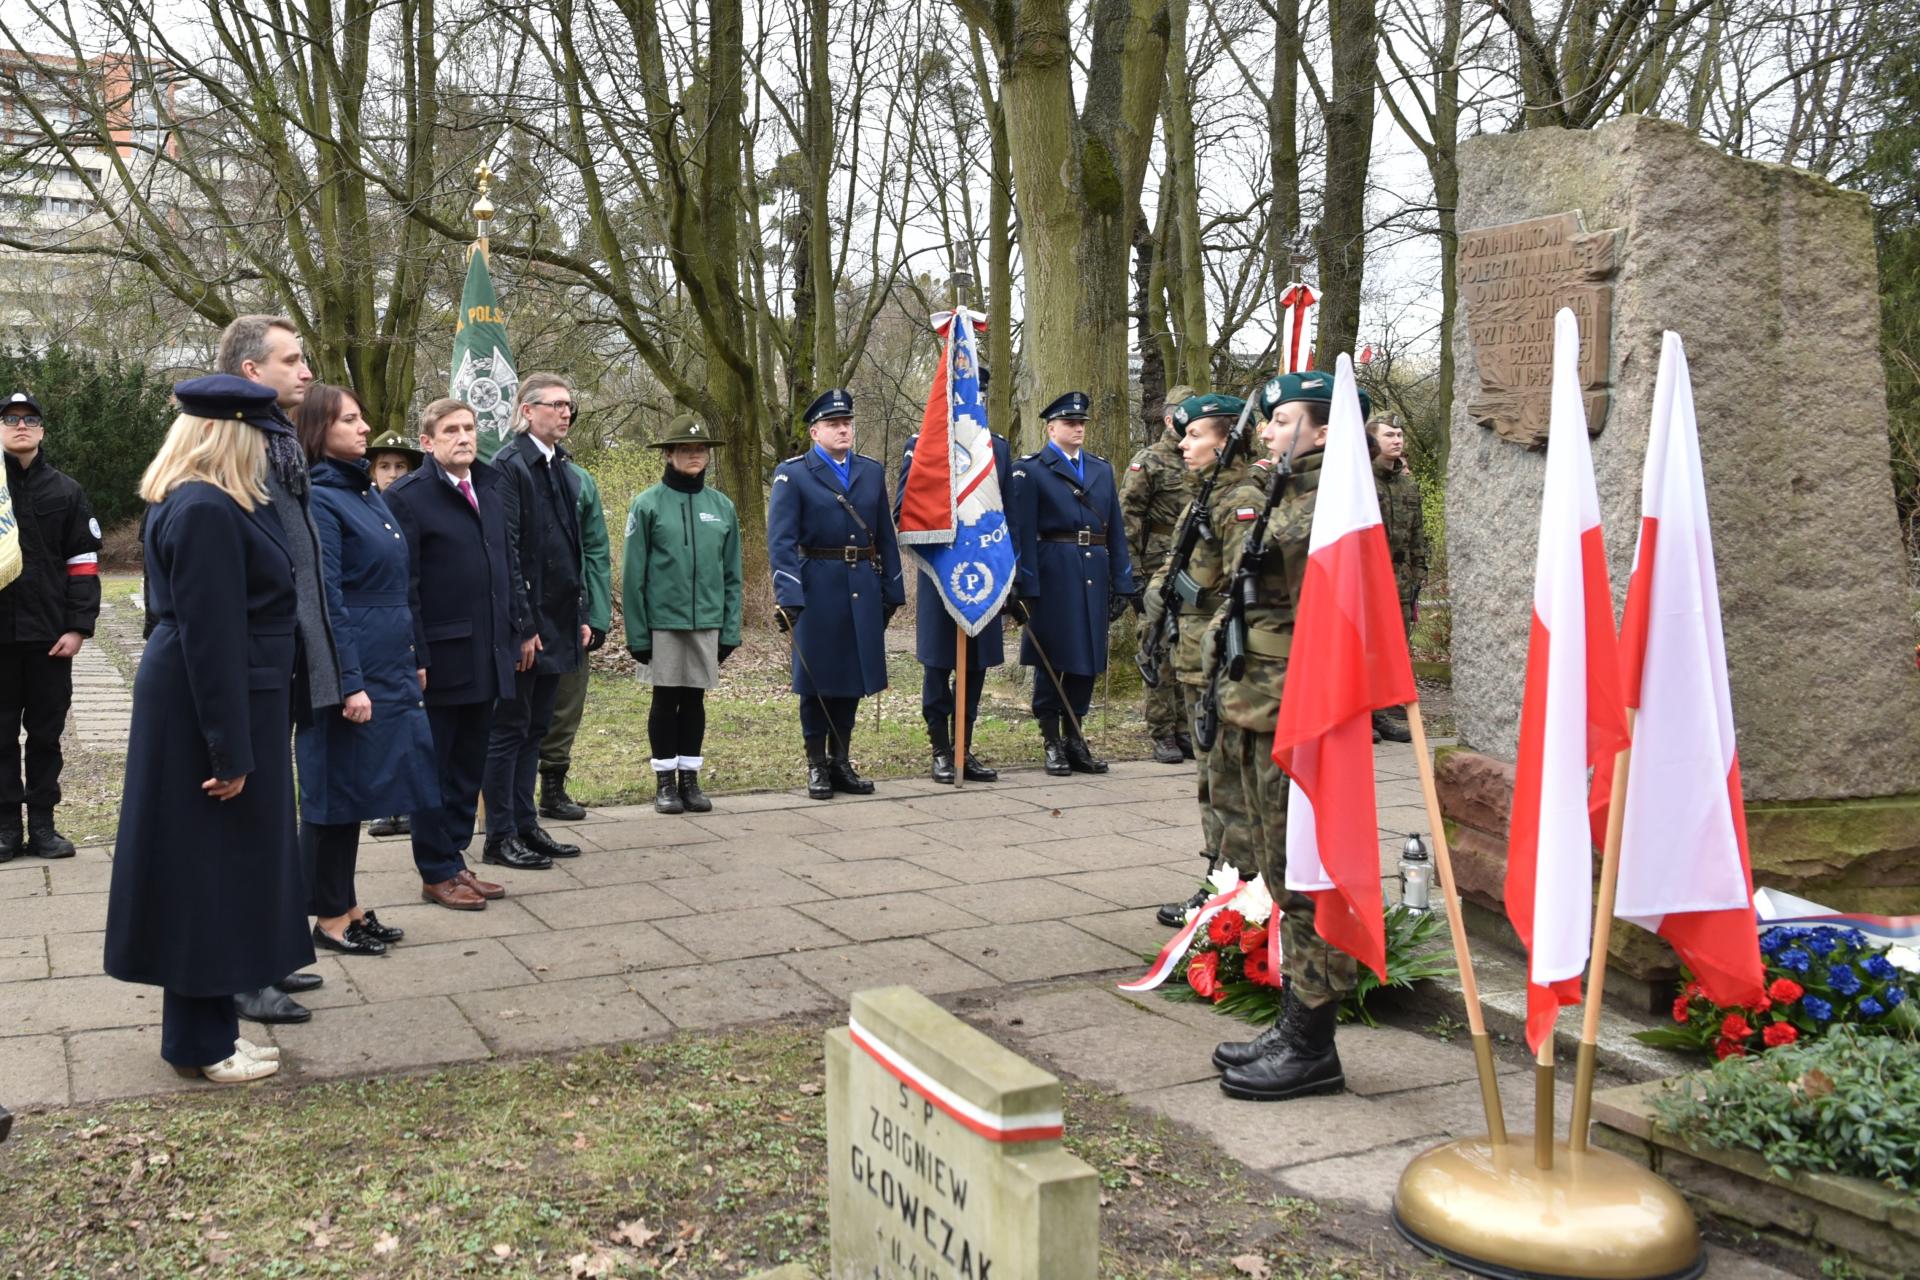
[[1134, 466], [1244, 514]]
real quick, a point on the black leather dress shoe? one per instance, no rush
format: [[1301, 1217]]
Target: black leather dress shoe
[[1056, 759], [1174, 914], [1080, 757], [370, 925], [270, 1004], [508, 851], [351, 943], [536, 838], [974, 771], [398, 825], [943, 765], [299, 983]]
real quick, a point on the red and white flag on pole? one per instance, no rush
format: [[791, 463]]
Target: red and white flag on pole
[[1297, 303], [1684, 869], [1349, 659], [1572, 716]]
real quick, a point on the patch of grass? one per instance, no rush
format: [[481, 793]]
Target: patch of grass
[[704, 1155]]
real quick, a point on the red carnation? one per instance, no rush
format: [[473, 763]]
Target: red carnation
[[1724, 1049], [1202, 974], [1735, 1027], [1225, 927], [1780, 1033], [1786, 990], [1679, 1008]]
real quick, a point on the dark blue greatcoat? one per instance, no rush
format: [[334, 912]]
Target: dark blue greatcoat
[[208, 896], [1068, 585], [933, 626], [353, 771], [842, 635], [470, 614]]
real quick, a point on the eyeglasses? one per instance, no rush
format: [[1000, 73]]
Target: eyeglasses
[[13, 420], [561, 406]]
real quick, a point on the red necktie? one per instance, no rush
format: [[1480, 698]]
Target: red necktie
[[467, 490]]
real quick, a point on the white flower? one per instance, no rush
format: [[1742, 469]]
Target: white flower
[[1222, 879], [1904, 958], [1253, 902]]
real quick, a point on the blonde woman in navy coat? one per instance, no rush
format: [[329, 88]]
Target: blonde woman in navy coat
[[207, 898]]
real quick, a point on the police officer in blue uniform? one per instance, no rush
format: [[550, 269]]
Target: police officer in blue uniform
[[1075, 577], [836, 585], [934, 639]]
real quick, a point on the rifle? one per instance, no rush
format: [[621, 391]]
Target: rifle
[[1177, 583], [1230, 639]]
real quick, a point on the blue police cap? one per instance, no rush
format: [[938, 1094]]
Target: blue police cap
[[226, 396], [1074, 404], [837, 403]]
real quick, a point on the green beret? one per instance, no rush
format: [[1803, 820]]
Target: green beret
[[1314, 386], [1211, 405], [686, 429]]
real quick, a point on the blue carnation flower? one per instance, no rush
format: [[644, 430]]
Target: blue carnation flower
[[1856, 939], [1871, 1008], [1893, 996], [1772, 940], [1823, 941], [1796, 960], [1817, 1009], [1843, 979], [1878, 966]]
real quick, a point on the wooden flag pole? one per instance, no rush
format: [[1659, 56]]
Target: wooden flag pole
[[1602, 938], [959, 706], [1462, 955]]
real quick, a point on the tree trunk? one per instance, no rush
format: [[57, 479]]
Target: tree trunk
[[1190, 314], [1283, 145], [1444, 166], [1153, 369], [1343, 222], [998, 301], [826, 328]]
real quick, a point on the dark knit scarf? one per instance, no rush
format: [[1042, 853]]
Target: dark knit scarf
[[680, 482]]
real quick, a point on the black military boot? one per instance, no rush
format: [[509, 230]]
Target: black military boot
[[819, 779], [1057, 765], [1174, 914], [690, 793], [1167, 751], [840, 772], [554, 800], [973, 771], [1186, 744], [11, 836], [1080, 757], [1391, 725], [942, 743], [42, 840], [1303, 1062], [666, 792]]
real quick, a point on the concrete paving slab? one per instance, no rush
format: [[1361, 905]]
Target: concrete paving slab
[[427, 922], [1034, 949], [22, 959], [653, 831], [1134, 931], [760, 826], [75, 955], [873, 876], [730, 991], [889, 915], [1141, 1053], [1277, 1136], [971, 802], [124, 1062], [994, 832], [35, 1071], [1104, 852], [607, 904], [716, 856], [911, 961], [1012, 901], [70, 875], [395, 1035], [869, 843], [75, 1004], [562, 1015], [1364, 1180], [988, 863], [1020, 1017], [1088, 820], [728, 890], [1133, 886], [751, 931], [1388, 1060], [554, 956], [439, 968], [57, 913]]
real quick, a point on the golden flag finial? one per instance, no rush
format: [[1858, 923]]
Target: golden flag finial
[[482, 207]]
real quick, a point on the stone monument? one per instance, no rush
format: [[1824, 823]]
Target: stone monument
[[1768, 275], [944, 1154]]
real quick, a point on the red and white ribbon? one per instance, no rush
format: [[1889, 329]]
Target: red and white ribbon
[[1169, 958], [1297, 302], [1033, 1126]]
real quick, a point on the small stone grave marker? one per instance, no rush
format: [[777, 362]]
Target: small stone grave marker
[[945, 1159]]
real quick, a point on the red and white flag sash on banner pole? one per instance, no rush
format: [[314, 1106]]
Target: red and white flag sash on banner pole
[[1572, 714], [1297, 302], [1348, 659], [1176, 949], [1035, 1126], [1684, 868]]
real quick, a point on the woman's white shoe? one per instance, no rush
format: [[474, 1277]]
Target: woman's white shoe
[[245, 1048], [239, 1069]]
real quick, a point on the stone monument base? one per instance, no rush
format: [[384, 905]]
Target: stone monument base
[[1852, 855]]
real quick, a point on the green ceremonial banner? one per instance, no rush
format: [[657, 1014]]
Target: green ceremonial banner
[[483, 373]]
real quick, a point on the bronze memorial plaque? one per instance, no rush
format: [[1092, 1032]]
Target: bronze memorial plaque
[[1513, 278]]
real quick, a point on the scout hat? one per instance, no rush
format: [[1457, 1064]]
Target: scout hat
[[1211, 405], [227, 396], [836, 403], [1074, 404], [687, 429], [1314, 385], [394, 442], [20, 400]]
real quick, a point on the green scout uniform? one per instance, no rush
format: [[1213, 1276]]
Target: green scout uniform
[[1249, 790], [1151, 498], [570, 699], [1406, 526]]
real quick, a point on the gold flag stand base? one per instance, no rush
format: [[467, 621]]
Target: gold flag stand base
[[1492, 1211]]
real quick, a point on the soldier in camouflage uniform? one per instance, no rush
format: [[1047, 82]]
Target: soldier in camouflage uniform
[[1151, 496], [1296, 1056], [1406, 527], [1207, 420]]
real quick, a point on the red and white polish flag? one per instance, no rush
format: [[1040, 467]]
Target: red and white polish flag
[[1684, 869], [1297, 304], [1572, 716], [1349, 659]]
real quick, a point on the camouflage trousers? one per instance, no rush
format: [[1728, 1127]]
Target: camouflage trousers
[[1162, 706], [1209, 819], [1250, 796]]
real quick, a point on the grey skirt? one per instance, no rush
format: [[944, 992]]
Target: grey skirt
[[685, 659]]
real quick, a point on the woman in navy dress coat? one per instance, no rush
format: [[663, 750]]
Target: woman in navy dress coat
[[373, 755], [207, 897]]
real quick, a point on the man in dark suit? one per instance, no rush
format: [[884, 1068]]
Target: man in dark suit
[[471, 625], [934, 640], [546, 515], [1075, 577], [836, 583]]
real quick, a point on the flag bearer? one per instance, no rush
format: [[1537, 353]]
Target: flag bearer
[[836, 585], [1075, 577]]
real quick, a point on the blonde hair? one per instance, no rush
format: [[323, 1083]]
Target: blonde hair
[[226, 453]]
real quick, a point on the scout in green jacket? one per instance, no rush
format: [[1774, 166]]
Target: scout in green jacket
[[570, 701], [680, 595]]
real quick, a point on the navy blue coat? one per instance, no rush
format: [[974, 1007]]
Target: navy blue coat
[[1067, 586], [546, 502], [933, 626], [470, 609], [209, 896], [353, 771], [841, 638]]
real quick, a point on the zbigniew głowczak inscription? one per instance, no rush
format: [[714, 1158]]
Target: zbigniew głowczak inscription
[[945, 1156]]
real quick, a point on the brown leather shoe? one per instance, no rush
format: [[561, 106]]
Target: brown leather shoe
[[453, 894], [485, 888]]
